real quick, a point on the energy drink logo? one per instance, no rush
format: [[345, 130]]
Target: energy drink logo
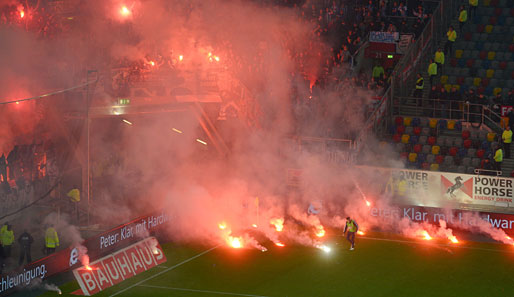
[[457, 187]]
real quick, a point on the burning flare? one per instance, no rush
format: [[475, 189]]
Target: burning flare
[[124, 11], [235, 242], [279, 244], [425, 235], [22, 14], [368, 203], [278, 223], [360, 232], [453, 239], [320, 231], [222, 225]]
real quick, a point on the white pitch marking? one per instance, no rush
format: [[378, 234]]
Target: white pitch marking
[[164, 271], [435, 244], [202, 291]]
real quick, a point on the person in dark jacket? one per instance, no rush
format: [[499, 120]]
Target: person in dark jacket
[[25, 240]]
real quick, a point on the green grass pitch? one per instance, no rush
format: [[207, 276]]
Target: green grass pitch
[[381, 265]]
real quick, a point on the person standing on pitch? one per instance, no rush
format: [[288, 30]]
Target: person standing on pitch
[[25, 240], [352, 228]]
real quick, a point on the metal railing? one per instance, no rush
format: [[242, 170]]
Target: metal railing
[[433, 35], [447, 109], [479, 171], [333, 150]]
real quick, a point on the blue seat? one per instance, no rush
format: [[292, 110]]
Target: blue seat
[[461, 63], [488, 91], [485, 145], [458, 125], [421, 157], [462, 152], [416, 122], [413, 139], [486, 64], [442, 124]]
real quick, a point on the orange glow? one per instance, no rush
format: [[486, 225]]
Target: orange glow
[[235, 242], [88, 267], [278, 223], [22, 14], [453, 239], [152, 63], [368, 203], [217, 58], [17, 102], [279, 244], [508, 237], [124, 11], [222, 225], [320, 232], [180, 58], [425, 235], [360, 232], [254, 225]]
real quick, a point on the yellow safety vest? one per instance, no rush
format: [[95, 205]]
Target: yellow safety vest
[[473, 2], [74, 195], [402, 188], [498, 155], [452, 35], [351, 226], [432, 69], [6, 236], [378, 71], [463, 16], [439, 58], [419, 83], [507, 136], [51, 238]]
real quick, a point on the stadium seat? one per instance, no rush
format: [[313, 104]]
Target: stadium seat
[[496, 91], [458, 53], [400, 129], [457, 142], [434, 167], [416, 122], [488, 29], [423, 139], [417, 148], [425, 131], [512, 173], [480, 153], [444, 79], [436, 149], [470, 63], [472, 152], [474, 134], [503, 65], [398, 121], [413, 139], [451, 125], [431, 140], [465, 134], [485, 83], [408, 130], [453, 151], [477, 81], [442, 124], [466, 161], [491, 55], [432, 123], [491, 136], [400, 147], [407, 121], [441, 140], [439, 159], [426, 149], [417, 131], [397, 138], [413, 157], [448, 141], [504, 122], [485, 145], [467, 143], [425, 166], [482, 55], [424, 122], [405, 138], [461, 169], [475, 162], [489, 73], [453, 62]]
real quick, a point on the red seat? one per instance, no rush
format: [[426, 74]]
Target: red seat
[[400, 129], [482, 163], [404, 155], [511, 48], [417, 131], [511, 174], [397, 138], [467, 143], [485, 82], [439, 159], [512, 75], [460, 80], [495, 3], [480, 90], [465, 134], [470, 62], [453, 62], [480, 28], [483, 55], [497, 11], [398, 121], [453, 151], [480, 154], [503, 65], [493, 20], [426, 166], [417, 148], [468, 36], [431, 140]]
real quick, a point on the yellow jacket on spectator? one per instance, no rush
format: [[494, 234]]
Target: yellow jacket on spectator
[[507, 136], [439, 57], [419, 83], [432, 69], [51, 238], [378, 71], [463, 16], [473, 2], [452, 35], [498, 155], [6, 236], [74, 195]]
